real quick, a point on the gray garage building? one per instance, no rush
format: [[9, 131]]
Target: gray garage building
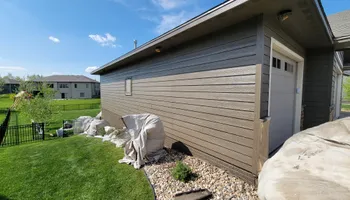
[[232, 84]]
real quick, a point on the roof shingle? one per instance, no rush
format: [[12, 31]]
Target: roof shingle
[[10, 81], [68, 78], [340, 23]]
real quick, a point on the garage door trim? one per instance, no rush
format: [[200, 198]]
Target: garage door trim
[[281, 48]]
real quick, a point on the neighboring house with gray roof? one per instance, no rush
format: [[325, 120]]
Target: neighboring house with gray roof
[[340, 24], [10, 86], [73, 86]]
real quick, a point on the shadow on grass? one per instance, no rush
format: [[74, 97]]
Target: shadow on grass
[[3, 197]]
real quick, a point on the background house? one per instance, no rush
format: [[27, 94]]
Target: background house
[[73, 86], [10, 86]]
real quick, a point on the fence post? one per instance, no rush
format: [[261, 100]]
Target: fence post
[[16, 118], [1, 138], [17, 135], [33, 131], [43, 128]]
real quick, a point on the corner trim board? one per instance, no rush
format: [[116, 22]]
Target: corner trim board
[[257, 125]]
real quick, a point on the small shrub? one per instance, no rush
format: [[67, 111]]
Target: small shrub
[[12, 96], [182, 172]]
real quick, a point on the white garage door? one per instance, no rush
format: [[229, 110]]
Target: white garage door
[[283, 90]]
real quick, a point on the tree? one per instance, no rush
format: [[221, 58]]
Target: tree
[[28, 85], [2, 84], [34, 77], [38, 108], [346, 87], [9, 76]]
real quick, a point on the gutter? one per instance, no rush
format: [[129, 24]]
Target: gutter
[[325, 20], [343, 40], [219, 9]]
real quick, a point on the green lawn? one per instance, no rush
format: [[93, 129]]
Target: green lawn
[[345, 107], [70, 168], [2, 117], [72, 114], [52, 127], [5, 103], [66, 114]]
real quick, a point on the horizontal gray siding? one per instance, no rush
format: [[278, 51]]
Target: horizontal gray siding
[[318, 86], [204, 92]]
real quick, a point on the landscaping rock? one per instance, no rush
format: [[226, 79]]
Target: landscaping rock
[[220, 183]]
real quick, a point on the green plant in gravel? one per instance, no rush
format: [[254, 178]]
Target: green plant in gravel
[[182, 172]]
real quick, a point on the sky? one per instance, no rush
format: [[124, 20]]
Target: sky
[[74, 37]]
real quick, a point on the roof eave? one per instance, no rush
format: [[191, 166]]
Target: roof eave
[[325, 20], [228, 5], [342, 43]]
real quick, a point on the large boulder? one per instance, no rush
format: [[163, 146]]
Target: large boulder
[[313, 164]]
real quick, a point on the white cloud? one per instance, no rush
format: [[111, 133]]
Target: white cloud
[[108, 40], [171, 21], [54, 39], [90, 69], [12, 68], [169, 4]]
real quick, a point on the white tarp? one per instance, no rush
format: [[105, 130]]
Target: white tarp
[[82, 124], [99, 115], [147, 136], [97, 127], [117, 137], [313, 164]]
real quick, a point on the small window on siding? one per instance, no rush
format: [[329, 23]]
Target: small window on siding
[[128, 85], [63, 85], [288, 67], [82, 94], [278, 64], [75, 85]]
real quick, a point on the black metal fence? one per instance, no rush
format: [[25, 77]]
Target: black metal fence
[[78, 106], [20, 134], [4, 125], [3, 111]]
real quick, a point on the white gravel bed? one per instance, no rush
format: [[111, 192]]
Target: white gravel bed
[[222, 184]]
